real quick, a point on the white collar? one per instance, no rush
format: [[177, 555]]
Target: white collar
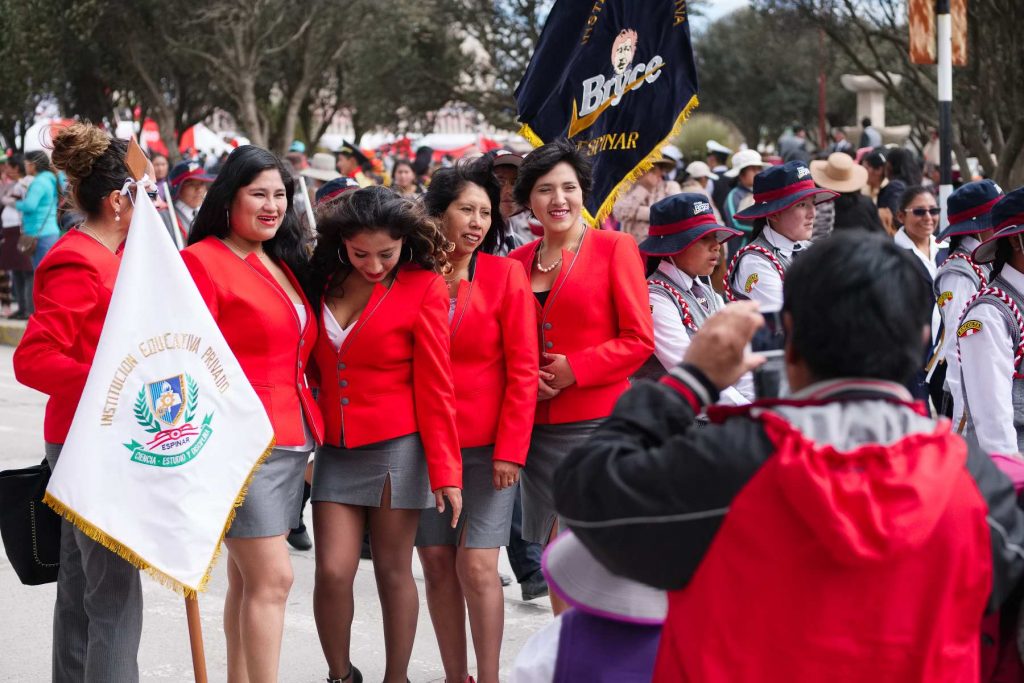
[[902, 239], [185, 209], [1014, 277], [780, 241], [969, 243], [674, 273]]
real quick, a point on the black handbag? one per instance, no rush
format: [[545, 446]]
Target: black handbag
[[30, 529]]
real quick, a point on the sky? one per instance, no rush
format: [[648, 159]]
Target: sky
[[717, 8]]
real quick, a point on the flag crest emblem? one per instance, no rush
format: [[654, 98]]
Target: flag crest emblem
[[165, 398], [171, 444]]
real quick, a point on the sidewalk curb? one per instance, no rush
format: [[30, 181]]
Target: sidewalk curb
[[11, 332]]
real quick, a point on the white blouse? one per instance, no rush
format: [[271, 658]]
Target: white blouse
[[335, 332]]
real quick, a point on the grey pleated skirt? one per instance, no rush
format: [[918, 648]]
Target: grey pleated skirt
[[549, 445], [486, 513], [272, 505], [356, 476]]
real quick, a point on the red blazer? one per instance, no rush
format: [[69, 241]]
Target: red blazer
[[393, 375], [495, 358], [73, 284], [598, 315], [260, 324]]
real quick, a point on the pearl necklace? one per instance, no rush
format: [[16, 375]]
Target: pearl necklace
[[547, 269]]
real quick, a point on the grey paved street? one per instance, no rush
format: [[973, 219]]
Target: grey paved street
[[26, 612]]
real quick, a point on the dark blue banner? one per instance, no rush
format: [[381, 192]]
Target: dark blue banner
[[617, 78]]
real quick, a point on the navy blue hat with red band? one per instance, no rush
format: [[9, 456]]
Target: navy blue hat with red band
[[187, 170], [777, 188], [677, 222], [1007, 219], [333, 189], [970, 208]]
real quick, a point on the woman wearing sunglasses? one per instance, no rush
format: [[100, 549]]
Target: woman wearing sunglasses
[[918, 216]]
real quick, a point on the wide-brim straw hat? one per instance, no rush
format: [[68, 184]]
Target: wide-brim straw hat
[[322, 166], [840, 173]]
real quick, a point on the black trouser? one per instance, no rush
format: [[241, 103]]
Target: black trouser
[[522, 555]]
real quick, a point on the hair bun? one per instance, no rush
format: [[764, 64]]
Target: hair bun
[[77, 147]]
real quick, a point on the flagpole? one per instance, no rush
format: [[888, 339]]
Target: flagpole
[[174, 217], [195, 637], [309, 204]]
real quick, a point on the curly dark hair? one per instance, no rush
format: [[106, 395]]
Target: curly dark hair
[[448, 183], [373, 209], [540, 161], [93, 162], [289, 244]]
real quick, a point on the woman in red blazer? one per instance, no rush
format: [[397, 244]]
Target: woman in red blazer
[[595, 320], [494, 361], [384, 374], [97, 622], [244, 245]]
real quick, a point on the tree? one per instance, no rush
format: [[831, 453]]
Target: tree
[[504, 34], [28, 64], [760, 71], [246, 37], [170, 86], [404, 67], [988, 94]]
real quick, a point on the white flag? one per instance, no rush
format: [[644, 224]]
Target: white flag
[[169, 431]]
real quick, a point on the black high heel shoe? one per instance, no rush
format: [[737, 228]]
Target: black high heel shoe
[[353, 676]]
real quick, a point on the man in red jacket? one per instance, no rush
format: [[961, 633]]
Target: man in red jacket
[[838, 535]]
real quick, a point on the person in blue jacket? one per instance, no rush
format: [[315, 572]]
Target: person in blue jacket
[[39, 207]]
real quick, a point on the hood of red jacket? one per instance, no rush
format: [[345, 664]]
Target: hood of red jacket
[[870, 501]]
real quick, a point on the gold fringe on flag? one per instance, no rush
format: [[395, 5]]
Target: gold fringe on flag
[[130, 556], [645, 164]]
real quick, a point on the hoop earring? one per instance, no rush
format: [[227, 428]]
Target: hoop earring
[[227, 217], [408, 260], [341, 260]]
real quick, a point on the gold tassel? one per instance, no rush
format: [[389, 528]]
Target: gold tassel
[[131, 557], [531, 137], [115, 546], [645, 164]]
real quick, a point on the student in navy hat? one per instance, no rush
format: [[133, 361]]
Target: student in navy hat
[[189, 182], [332, 189], [959, 277], [783, 215], [683, 246], [990, 337]]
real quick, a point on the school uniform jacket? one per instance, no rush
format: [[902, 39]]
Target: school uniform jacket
[[495, 358], [598, 315], [393, 374], [260, 324], [73, 285]]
